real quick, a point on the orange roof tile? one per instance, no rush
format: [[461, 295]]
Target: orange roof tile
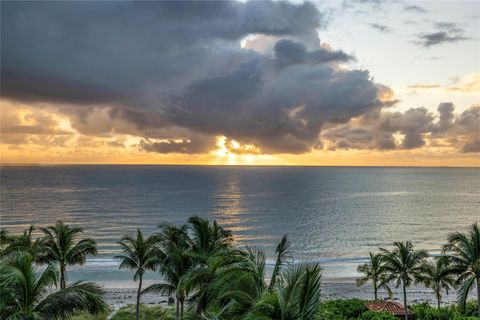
[[389, 306]]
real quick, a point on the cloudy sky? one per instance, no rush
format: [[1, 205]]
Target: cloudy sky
[[257, 82]]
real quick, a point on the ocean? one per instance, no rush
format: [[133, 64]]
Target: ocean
[[332, 215]]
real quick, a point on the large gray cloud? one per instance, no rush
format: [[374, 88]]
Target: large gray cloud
[[176, 71]]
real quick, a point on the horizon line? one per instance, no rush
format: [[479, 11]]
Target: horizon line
[[227, 165]]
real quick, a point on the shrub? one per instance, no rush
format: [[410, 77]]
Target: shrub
[[88, 316], [343, 309], [146, 313], [471, 309], [374, 315], [425, 312]]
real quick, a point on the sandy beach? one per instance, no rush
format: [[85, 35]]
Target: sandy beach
[[122, 293]]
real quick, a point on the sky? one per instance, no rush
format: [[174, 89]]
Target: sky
[[367, 83]]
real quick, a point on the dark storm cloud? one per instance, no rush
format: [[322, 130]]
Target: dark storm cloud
[[150, 68]]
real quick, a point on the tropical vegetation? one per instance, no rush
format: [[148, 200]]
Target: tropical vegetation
[[24, 293], [139, 254], [211, 278]]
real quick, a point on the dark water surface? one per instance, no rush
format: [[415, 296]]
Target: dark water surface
[[334, 215]]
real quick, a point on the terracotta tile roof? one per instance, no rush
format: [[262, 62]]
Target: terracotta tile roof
[[389, 306]]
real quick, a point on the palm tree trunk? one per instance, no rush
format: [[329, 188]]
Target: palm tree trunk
[[375, 289], [62, 276], [137, 310], [178, 309], [181, 309], [438, 303], [405, 301], [478, 296]]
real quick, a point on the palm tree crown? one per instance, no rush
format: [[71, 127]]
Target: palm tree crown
[[24, 294], [139, 254], [405, 266], [61, 247], [372, 270], [463, 254], [438, 278], [13, 245]]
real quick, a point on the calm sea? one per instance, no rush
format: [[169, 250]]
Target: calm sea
[[333, 215]]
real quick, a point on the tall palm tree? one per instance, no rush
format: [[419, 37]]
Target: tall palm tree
[[174, 270], [439, 278], [174, 265], [405, 266], [25, 294], [62, 248], [372, 270], [140, 254], [463, 253]]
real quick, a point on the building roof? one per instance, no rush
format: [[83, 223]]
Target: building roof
[[389, 306]]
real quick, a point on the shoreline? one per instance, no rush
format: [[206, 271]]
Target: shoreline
[[121, 293]]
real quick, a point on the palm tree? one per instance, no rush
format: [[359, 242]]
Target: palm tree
[[13, 245], [208, 238], [174, 265], [463, 254], [61, 247], [439, 278], [372, 270], [295, 297], [204, 279], [25, 294], [242, 284], [405, 266], [283, 255], [141, 254], [174, 269]]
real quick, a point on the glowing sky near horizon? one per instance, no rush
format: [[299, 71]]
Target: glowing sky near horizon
[[250, 83]]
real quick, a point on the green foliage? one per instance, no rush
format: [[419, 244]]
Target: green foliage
[[373, 271], [88, 316], [374, 315], [470, 309], [424, 311], [212, 279], [463, 254], [342, 309], [146, 313], [25, 293], [62, 247], [12, 246]]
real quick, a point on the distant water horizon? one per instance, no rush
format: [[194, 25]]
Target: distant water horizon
[[332, 215]]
